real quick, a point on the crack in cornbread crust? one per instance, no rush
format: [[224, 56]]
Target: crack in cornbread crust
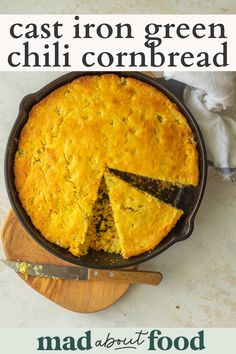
[[73, 133], [141, 220]]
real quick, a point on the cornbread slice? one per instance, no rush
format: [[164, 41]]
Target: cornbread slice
[[144, 133], [141, 220], [56, 181]]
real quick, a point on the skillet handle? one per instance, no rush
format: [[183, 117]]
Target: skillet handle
[[174, 86]]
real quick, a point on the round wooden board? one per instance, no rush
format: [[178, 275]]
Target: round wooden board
[[75, 295]]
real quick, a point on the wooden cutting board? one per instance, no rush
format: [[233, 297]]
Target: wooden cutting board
[[75, 295]]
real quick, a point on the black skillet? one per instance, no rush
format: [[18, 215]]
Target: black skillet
[[187, 199]]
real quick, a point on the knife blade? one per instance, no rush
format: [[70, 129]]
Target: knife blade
[[48, 270], [82, 273]]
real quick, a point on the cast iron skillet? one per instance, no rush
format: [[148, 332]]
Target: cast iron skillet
[[188, 198]]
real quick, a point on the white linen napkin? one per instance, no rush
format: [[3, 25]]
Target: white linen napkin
[[211, 97]]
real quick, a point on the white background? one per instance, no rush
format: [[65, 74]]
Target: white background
[[79, 46], [216, 341]]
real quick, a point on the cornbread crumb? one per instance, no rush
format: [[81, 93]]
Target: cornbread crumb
[[23, 269], [102, 234]]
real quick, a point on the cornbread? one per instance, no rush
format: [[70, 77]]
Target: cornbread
[[102, 234], [142, 221], [73, 134]]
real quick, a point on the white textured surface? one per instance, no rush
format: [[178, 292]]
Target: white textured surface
[[199, 274]]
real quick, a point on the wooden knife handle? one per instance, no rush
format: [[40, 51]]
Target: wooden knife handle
[[126, 276]]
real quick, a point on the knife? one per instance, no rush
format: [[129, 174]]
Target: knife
[[82, 273]]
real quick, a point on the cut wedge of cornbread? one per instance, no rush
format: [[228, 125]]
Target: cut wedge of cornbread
[[141, 220]]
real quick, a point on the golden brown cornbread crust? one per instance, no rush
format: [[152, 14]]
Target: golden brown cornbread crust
[[84, 126]]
